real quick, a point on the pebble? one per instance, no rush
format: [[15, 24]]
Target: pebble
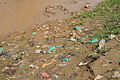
[[98, 77], [116, 74]]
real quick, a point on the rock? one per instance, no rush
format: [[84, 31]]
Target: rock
[[98, 77], [116, 74], [31, 66], [37, 46], [82, 64], [72, 39], [62, 65], [39, 51], [10, 71], [112, 36], [73, 75], [101, 44]]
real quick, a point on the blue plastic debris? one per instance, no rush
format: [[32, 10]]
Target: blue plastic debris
[[34, 33], [93, 40], [54, 47], [55, 76], [78, 27], [1, 49]]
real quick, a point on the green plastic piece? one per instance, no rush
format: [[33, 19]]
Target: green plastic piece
[[54, 47], [78, 27], [34, 33], [1, 49], [93, 40], [21, 66], [66, 59]]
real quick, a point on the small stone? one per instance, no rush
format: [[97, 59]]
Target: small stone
[[39, 51], [62, 65], [101, 44], [31, 66], [98, 77], [112, 36], [116, 74], [72, 39], [37, 46], [73, 75], [10, 71], [81, 64]]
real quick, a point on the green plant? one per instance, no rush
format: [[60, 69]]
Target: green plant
[[95, 56], [102, 50], [19, 57]]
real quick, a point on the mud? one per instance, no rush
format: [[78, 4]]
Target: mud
[[17, 15]]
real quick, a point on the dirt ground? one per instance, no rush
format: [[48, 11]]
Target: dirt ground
[[20, 53]]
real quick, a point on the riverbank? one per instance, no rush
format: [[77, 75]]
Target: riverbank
[[83, 47]]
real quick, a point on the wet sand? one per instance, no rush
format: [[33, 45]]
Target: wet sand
[[16, 15]]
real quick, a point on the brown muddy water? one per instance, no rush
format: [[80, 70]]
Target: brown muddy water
[[16, 15]]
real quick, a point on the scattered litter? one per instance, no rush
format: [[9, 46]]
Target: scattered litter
[[88, 6], [116, 74], [93, 40], [54, 47], [73, 75], [98, 77], [39, 51], [66, 59], [37, 46], [1, 49], [101, 44], [21, 66], [71, 39], [82, 64], [61, 58], [45, 75], [31, 66], [34, 33], [72, 54], [56, 76], [78, 27]]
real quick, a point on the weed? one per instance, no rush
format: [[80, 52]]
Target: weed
[[102, 50]]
